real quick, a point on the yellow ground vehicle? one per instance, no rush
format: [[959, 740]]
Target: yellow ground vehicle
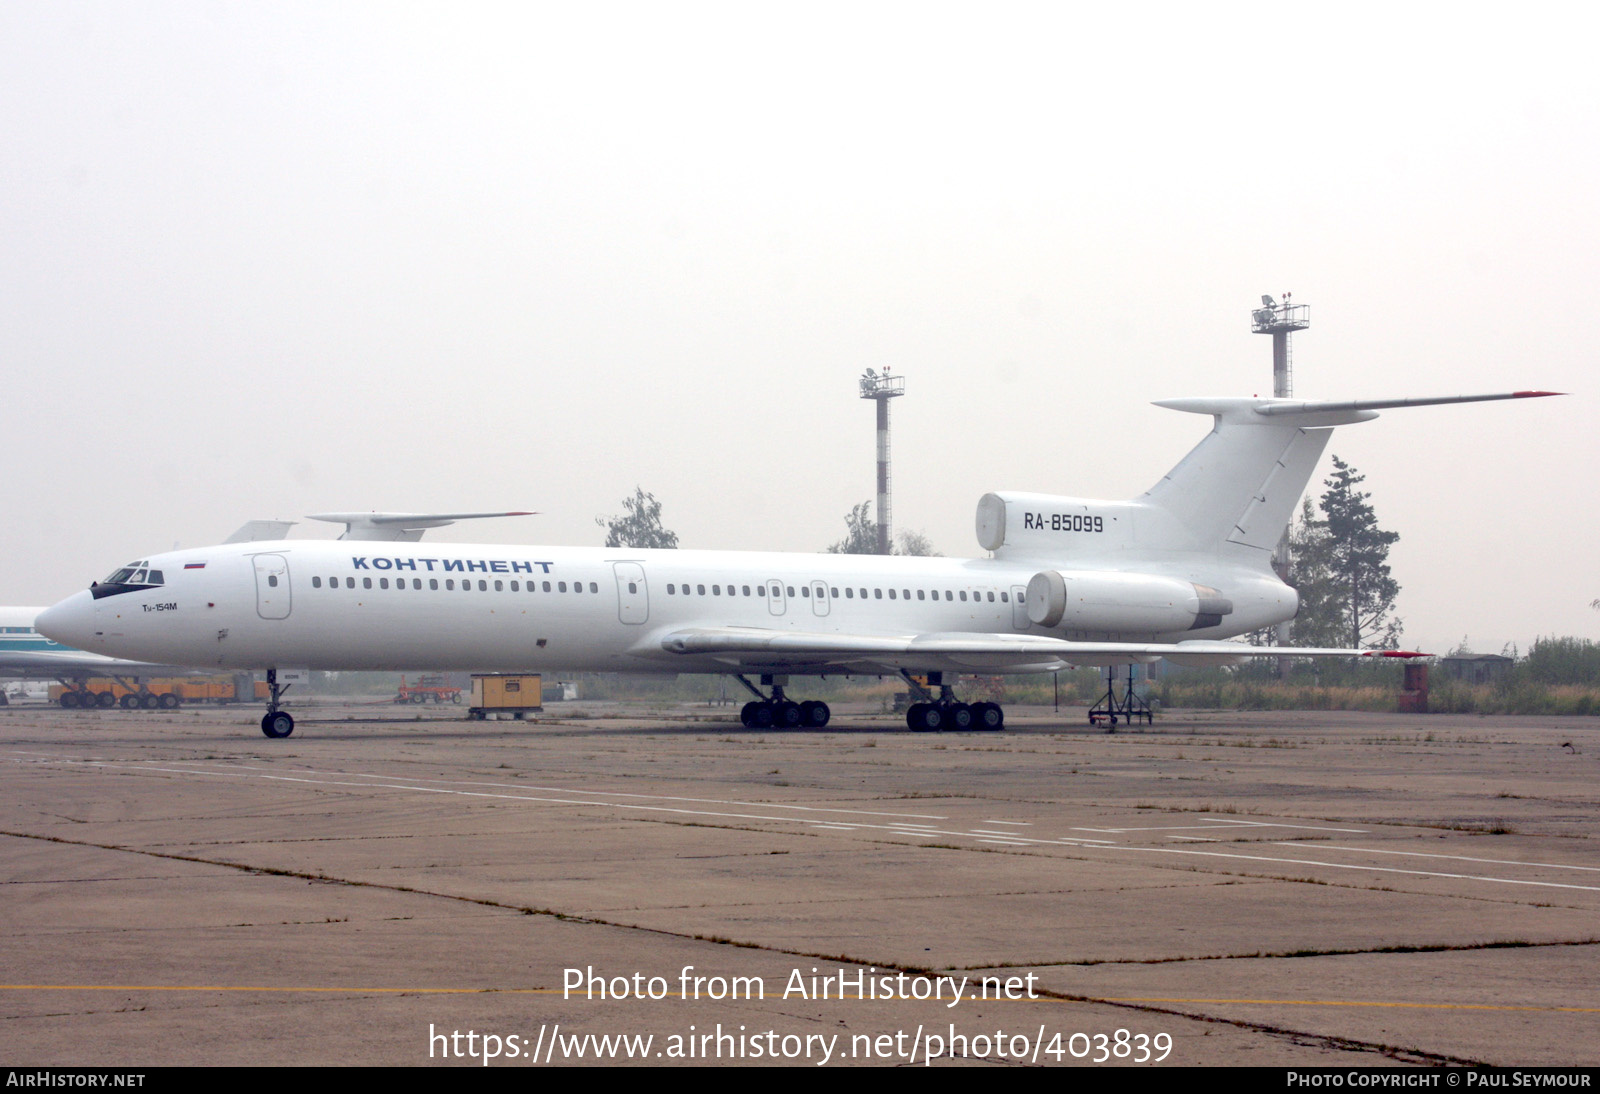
[[157, 693]]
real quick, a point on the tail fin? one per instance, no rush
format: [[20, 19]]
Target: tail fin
[[1240, 485]]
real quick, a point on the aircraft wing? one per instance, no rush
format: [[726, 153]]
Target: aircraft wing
[[37, 664], [808, 651]]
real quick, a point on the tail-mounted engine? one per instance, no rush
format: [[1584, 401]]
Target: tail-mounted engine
[[1118, 602]]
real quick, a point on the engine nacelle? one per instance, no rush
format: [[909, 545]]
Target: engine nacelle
[[1120, 602], [1051, 527]]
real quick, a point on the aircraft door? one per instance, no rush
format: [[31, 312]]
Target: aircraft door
[[273, 597], [633, 594], [819, 597], [777, 603], [1019, 608]]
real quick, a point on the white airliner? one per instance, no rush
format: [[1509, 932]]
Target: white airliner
[[1069, 581]]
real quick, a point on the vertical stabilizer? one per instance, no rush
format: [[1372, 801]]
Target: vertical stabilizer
[[1239, 487]]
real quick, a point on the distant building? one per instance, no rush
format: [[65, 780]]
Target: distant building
[[1476, 668]]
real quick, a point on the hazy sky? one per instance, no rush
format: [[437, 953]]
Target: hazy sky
[[263, 260]]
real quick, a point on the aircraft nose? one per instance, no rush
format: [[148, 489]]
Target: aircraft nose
[[70, 622]]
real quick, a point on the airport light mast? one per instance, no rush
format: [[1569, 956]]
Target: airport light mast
[[1280, 321], [882, 388]]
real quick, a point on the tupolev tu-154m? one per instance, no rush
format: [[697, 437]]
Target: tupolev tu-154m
[[1068, 581]]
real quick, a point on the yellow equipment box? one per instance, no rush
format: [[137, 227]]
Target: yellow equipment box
[[506, 693]]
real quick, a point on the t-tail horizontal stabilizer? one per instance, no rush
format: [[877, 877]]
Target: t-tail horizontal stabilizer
[[1305, 412], [400, 527], [1239, 487]]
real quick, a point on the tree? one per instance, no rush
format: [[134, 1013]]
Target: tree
[[861, 533], [861, 537], [1319, 622], [1360, 591], [915, 543], [640, 526]]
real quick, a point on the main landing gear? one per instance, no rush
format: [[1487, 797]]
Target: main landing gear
[[778, 712], [946, 712], [276, 723]]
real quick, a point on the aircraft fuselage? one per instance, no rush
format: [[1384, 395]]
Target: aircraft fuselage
[[481, 607]]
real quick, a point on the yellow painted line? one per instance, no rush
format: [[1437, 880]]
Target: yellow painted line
[[844, 998]]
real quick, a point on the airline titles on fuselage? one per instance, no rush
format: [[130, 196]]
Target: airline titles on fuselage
[[473, 565]]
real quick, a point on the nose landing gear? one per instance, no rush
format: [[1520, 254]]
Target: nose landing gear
[[276, 722]]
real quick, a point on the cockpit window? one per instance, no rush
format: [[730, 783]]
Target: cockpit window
[[126, 579]]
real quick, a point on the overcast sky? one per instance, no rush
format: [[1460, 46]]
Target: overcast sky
[[263, 260]]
